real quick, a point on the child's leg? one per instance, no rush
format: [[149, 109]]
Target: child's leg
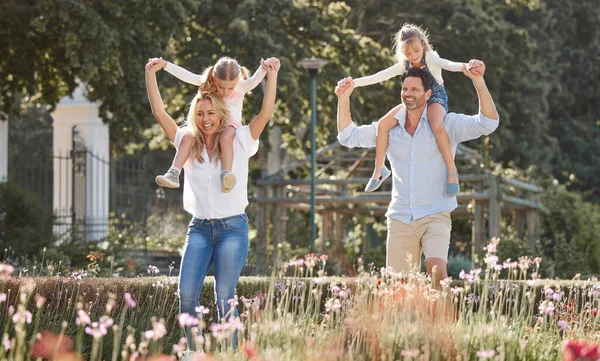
[[183, 153], [381, 143], [227, 178], [171, 178], [436, 114], [226, 141]]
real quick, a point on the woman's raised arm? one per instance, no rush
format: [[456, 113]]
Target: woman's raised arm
[[158, 109], [257, 125]]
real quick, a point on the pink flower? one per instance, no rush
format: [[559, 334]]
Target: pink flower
[[39, 301], [82, 318], [486, 353], [158, 331], [311, 260], [491, 260], [546, 307], [2, 297], [181, 346], [563, 325], [202, 310], [185, 319], [523, 344], [153, 270], [100, 328], [6, 342], [491, 247], [129, 299], [22, 316], [411, 352], [233, 302], [6, 270], [333, 305], [106, 321], [95, 331]]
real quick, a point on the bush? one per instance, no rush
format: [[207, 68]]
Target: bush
[[569, 238], [25, 223], [456, 263]]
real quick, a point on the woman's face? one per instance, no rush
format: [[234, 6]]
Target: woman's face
[[207, 118]]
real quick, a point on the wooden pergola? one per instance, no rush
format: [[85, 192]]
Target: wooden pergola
[[340, 178]]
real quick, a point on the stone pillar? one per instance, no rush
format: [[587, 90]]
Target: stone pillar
[[83, 196], [3, 151]]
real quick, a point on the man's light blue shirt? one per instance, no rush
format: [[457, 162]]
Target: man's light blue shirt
[[418, 168]]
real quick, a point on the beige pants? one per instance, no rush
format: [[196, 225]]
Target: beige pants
[[429, 235]]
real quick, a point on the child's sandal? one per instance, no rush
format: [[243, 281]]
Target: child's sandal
[[374, 183], [452, 189]]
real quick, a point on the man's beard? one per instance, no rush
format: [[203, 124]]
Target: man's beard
[[416, 104]]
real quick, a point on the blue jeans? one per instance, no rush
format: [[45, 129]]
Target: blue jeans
[[222, 242]]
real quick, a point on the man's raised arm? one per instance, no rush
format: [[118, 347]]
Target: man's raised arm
[[486, 103], [349, 135], [343, 110], [461, 127]]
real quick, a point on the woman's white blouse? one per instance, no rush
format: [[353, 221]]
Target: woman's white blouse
[[202, 196]]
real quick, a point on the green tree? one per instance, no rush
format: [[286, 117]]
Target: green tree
[[48, 45], [569, 239]]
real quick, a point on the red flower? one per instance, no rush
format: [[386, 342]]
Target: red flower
[[580, 350], [130, 264], [594, 312], [50, 344], [249, 349]]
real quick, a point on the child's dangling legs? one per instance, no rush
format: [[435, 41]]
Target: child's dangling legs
[[171, 178], [436, 114], [227, 178], [381, 143]]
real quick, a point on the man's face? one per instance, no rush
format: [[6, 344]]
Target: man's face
[[414, 95]]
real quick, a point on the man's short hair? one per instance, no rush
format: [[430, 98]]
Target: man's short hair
[[424, 74]]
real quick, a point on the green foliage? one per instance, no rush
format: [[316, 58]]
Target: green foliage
[[48, 45], [570, 239], [540, 60], [25, 223], [456, 263]]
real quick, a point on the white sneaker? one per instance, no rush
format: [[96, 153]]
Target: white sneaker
[[227, 181], [169, 179]]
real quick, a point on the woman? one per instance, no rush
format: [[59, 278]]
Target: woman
[[218, 232]]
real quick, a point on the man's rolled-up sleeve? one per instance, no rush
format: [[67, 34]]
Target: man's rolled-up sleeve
[[363, 136], [461, 127]]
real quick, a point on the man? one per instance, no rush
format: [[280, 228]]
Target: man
[[419, 214]]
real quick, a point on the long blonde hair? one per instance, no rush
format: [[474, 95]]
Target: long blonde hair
[[199, 142], [227, 69], [405, 36]]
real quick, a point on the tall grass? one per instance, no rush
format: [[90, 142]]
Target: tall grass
[[504, 311]]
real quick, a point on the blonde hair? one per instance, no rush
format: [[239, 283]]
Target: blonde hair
[[405, 36], [198, 141], [227, 69]]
